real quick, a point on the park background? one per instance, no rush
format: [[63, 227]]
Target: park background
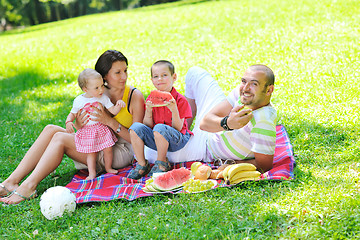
[[21, 13], [313, 48]]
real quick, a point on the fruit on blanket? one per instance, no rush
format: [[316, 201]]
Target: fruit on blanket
[[225, 171], [244, 174], [148, 185], [150, 188], [245, 179], [214, 174], [220, 174], [195, 185], [171, 180], [158, 98], [222, 167], [194, 167], [55, 201], [231, 170], [236, 173], [203, 172]]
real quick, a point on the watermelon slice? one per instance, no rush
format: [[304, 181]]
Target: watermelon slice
[[158, 98], [171, 180]]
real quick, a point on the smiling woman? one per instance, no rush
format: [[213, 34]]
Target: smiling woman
[[47, 152]]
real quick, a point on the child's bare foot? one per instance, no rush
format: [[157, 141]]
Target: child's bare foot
[[111, 170], [90, 177]]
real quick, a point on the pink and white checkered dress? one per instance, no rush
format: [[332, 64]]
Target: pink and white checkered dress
[[94, 138]]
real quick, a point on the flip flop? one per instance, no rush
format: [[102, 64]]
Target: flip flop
[[8, 192], [32, 196]]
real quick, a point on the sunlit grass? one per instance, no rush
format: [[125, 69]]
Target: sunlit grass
[[313, 48]]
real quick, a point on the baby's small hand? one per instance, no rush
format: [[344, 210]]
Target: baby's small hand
[[120, 103], [70, 127]]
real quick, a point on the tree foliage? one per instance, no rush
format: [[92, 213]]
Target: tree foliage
[[32, 12]]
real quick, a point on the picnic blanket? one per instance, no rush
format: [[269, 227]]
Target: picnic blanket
[[109, 186]]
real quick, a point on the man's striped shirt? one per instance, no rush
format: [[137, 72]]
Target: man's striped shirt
[[258, 135]]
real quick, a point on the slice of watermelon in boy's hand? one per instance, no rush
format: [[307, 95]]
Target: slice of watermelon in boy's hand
[[159, 98]]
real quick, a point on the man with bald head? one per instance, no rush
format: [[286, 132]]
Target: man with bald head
[[245, 135]]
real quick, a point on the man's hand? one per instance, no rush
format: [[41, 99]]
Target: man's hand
[[239, 117]]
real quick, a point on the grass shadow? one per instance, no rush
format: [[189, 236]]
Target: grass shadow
[[24, 80], [320, 144]]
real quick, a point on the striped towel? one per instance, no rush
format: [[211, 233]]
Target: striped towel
[[109, 186]]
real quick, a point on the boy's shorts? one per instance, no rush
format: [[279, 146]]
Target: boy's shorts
[[176, 139]]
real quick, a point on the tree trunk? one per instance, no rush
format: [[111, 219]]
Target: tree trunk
[[57, 11], [70, 10], [121, 6], [4, 24]]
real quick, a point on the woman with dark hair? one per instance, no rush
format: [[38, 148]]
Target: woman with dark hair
[[47, 152]]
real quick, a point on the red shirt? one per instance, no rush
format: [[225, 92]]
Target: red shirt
[[164, 115]]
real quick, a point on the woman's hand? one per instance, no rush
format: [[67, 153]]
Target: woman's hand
[[81, 119], [99, 114]]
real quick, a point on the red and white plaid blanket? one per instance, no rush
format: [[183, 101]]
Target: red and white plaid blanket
[[109, 187]]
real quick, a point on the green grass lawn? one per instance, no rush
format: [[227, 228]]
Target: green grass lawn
[[313, 48]]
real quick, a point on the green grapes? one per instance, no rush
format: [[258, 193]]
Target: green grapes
[[192, 185]]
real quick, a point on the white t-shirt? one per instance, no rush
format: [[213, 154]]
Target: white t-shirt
[[80, 102]]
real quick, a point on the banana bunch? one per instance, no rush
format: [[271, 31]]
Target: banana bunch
[[236, 173]]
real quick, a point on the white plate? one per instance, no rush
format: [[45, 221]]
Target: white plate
[[171, 191]]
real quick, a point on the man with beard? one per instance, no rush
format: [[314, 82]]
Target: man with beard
[[239, 127]]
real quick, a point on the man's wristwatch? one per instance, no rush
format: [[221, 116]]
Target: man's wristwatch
[[224, 125], [118, 129]]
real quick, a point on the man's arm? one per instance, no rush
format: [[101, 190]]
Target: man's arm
[[262, 162], [237, 119]]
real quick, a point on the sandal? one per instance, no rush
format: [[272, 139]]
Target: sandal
[[230, 161], [156, 168], [219, 162], [135, 173], [8, 192], [32, 196]]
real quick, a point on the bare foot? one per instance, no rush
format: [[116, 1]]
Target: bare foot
[[90, 177], [111, 170]]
